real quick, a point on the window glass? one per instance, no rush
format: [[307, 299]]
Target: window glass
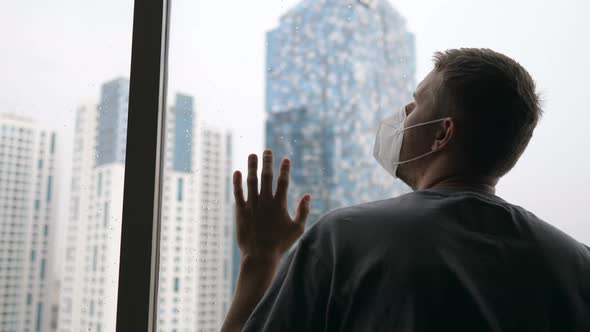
[[63, 104], [311, 80]]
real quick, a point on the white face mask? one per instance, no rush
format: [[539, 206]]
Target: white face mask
[[390, 136]]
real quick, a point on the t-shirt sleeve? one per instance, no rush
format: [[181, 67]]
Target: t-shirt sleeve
[[297, 298]]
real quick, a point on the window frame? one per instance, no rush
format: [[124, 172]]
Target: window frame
[[144, 166]]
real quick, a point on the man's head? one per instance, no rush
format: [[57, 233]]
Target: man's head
[[491, 109]]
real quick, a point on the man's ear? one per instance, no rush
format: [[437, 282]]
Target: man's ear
[[445, 133]]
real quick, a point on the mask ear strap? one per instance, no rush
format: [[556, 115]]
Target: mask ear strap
[[425, 123], [427, 153], [415, 158]]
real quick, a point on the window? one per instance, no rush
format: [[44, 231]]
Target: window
[[106, 214], [52, 148], [49, 187], [348, 64], [179, 198], [99, 187], [42, 269], [308, 79], [71, 54], [225, 269], [39, 316], [94, 258]]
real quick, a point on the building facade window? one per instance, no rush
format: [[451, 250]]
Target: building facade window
[[179, 198]]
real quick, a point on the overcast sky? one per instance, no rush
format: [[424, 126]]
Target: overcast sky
[[55, 55]]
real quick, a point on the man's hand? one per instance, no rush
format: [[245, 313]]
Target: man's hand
[[265, 231]]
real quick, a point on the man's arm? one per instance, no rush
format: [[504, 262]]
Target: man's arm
[[299, 297], [254, 279], [265, 231]]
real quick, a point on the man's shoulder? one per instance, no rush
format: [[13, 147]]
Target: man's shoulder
[[376, 216], [401, 206]]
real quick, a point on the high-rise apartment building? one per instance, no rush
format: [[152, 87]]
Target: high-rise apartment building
[[28, 204], [196, 226], [93, 231], [216, 226], [196, 237]]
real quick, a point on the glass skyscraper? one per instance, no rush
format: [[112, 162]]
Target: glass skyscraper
[[334, 69], [112, 122]]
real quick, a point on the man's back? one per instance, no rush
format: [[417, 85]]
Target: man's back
[[431, 260]]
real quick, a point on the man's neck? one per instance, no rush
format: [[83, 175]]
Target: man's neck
[[462, 182]]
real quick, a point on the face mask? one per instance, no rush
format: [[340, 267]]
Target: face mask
[[390, 136]]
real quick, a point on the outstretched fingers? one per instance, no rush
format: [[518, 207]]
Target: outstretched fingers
[[238, 191], [303, 210], [252, 179], [283, 182], [266, 175]]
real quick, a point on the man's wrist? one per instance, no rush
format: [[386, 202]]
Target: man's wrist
[[261, 260]]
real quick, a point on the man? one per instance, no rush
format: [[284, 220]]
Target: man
[[450, 256]]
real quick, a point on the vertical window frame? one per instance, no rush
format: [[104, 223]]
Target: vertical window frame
[[144, 165]]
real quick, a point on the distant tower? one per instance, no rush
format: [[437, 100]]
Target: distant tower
[[196, 243], [196, 232], [93, 231], [112, 122], [334, 69], [27, 224], [216, 227], [177, 288]]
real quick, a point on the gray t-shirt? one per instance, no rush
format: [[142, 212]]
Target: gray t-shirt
[[431, 260]]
